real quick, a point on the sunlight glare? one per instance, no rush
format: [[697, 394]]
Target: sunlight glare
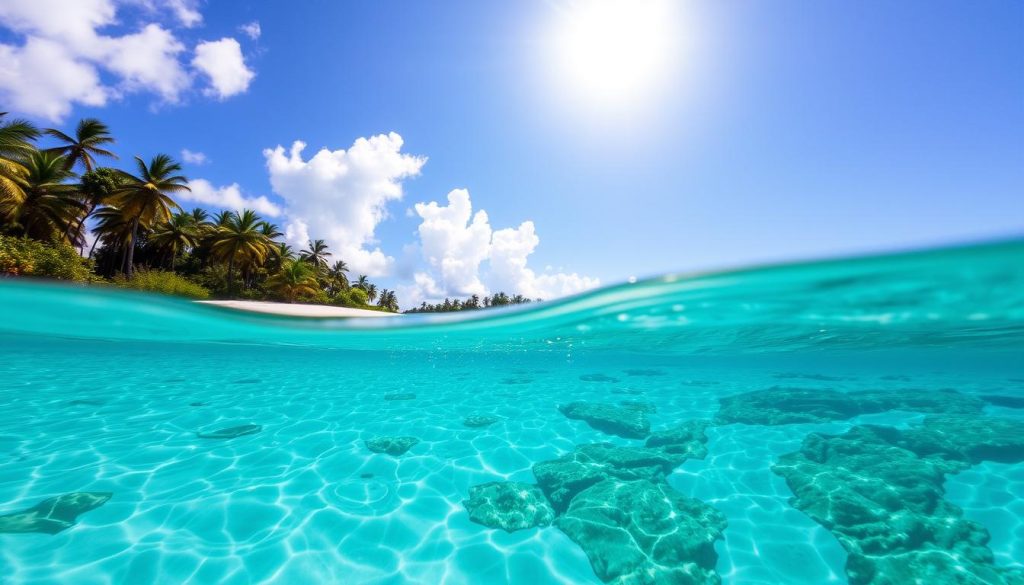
[[616, 50]]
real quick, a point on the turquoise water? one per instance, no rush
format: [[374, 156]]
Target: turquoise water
[[854, 421]]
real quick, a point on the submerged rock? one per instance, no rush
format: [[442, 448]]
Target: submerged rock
[[808, 376], [518, 380], [645, 407], [393, 446], [686, 440], [598, 378], [564, 478], [477, 421], [779, 406], [400, 396], [615, 503], [86, 402], [1004, 401], [231, 432], [53, 515], [508, 505], [641, 372], [614, 420], [641, 532], [880, 491]]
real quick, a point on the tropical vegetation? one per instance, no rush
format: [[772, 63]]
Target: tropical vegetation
[[474, 302], [65, 215]]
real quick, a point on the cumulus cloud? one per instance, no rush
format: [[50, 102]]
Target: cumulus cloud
[[43, 79], [59, 58], [223, 64], [252, 30], [228, 197], [186, 11], [147, 60], [454, 245], [510, 248], [463, 255], [342, 195], [194, 158]]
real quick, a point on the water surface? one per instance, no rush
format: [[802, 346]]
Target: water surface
[[854, 421]]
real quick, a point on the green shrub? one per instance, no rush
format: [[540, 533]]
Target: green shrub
[[25, 257], [320, 297], [353, 297], [160, 281]]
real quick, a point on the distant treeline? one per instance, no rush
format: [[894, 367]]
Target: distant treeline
[[472, 303]]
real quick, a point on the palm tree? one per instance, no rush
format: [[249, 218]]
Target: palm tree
[[49, 205], [279, 254], [294, 279], [240, 241], [199, 215], [145, 198], [371, 292], [362, 282], [316, 254], [16, 139], [270, 230], [338, 276], [96, 188], [284, 251], [389, 301], [90, 136], [222, 217], [112, 227], [179, 233]]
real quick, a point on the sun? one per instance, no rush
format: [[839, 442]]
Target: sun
[[615, 51]]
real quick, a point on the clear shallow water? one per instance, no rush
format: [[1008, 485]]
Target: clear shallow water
[[790, 368]]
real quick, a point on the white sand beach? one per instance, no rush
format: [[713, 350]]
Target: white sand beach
[[298, 310]]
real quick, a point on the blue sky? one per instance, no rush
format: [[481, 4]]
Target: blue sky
[[775, 131]]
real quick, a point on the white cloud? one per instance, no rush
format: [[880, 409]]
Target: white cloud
[[252, 30], [73, 23], [186, 12], [510, 248], [194, 158], [147, 60], [341, 195], [228, 197], [457, 245], [222, 62], [61, 58], [41, 78], [452, 244]]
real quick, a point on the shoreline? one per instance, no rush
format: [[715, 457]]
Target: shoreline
[[297, 309]]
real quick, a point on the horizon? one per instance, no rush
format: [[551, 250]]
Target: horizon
[[460, 159]]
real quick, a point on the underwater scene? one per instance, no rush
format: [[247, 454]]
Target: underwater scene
[[853, 421]]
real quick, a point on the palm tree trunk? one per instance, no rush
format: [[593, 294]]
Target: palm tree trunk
[[93, 248], [130, 256], [231, 274], [124, 255]]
